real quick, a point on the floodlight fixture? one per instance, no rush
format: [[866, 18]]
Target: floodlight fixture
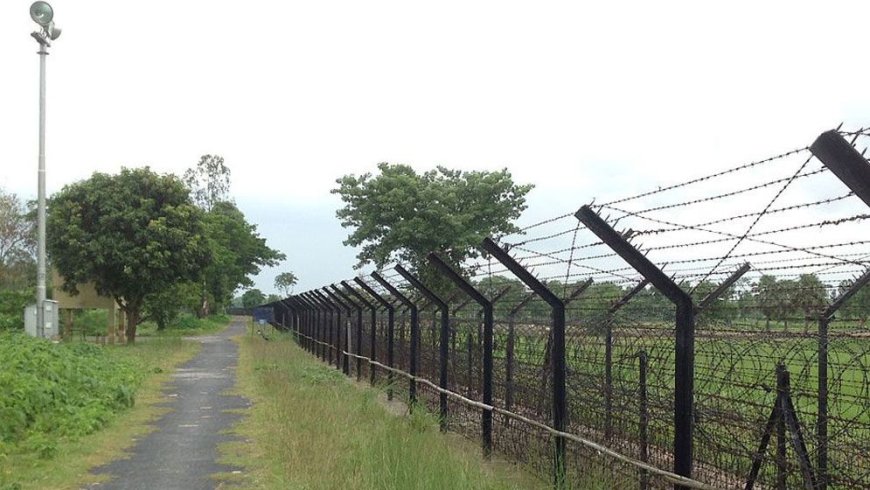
[[41, 13]]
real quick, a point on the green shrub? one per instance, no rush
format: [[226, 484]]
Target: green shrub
[[50, 390], [92, 322], [12, 303]]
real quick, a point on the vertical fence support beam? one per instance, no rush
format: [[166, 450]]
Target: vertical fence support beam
[[782, 386], [644, 418], [314, 314], [390, 320], [374, 320], [319, 314], [684, 375], [325, 329], [848, 165], [608, 355], [443, 338], [560, 405], [341, 361], [844, 161], [304, 322], [822, 421], [548, 349], [348, 345], [480, 299], [415, 334], [320, 334], [509, 355], [332, 309]]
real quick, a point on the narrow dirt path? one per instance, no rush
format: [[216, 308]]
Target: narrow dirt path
[[182, 452]]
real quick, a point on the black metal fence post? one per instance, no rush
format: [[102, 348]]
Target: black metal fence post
[[348, 345], [374, 319], [415, 333], [560, 404], [300, 320], [442, 348], [644, 418], [329, 326], [486, 305], [310, 323], [850, 166], [684, 332], [341, 360], [319, 322], [608, 354], [509, 348], [390, 320], [822, 421], [324, 320]]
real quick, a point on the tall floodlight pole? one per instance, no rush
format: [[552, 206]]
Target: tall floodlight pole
[[42, 14]]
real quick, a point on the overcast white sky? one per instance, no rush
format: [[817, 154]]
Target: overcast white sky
[[582, 99]]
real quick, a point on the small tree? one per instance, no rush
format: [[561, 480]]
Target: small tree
[[17, 242], [810, 297], [208, 181], [133, 235], [252, 298], [858, 306], [767, 298], [284, 282]]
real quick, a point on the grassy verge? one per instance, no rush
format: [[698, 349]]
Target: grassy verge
[[25, 465], [310, 427]]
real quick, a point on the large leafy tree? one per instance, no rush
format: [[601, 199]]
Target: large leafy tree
[[133, 235], [402, 215]]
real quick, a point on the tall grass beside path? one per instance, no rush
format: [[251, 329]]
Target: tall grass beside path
[[311, 427]]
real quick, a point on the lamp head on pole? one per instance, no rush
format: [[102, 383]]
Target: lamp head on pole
[[43, 14]]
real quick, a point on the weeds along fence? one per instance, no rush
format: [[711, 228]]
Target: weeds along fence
[[706, 334]]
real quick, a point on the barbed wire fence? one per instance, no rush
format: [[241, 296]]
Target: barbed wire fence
[[710, 333]]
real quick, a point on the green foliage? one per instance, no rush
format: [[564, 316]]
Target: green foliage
[[209, 181], [237, 251], [858, 306], [163, 307], [187, 324], [252, 298], [400, 214], [92, 321], [48, 391], [131, 234], [12, 303], [17, 242], [285, 281]]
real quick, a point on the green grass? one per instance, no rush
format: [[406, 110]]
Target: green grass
[[311, 427], [77, 403]]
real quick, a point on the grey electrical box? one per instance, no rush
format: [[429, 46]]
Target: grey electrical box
[[51, 320]]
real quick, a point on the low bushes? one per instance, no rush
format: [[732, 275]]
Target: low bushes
[[50, 390]]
